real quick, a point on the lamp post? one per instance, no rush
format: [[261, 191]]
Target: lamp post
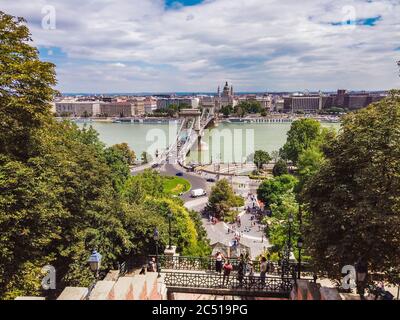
[[299, 246], [290, 220], [94, 262], [288, 249], [169, 230], [156, 238]]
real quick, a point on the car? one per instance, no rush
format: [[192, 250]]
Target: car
[[179, 174], [210, 180], [154, 166]]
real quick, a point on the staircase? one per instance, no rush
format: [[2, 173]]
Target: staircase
[[133, 287]]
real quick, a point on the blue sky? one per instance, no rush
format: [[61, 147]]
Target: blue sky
[[172, 3], [193, 45]]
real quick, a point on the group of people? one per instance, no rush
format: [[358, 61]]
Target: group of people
[[212, 219], [245, 267]]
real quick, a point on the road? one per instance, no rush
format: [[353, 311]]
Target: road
[[196, 181]]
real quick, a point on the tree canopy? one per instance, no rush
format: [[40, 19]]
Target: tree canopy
[[63, 193], [261, 157], [222, 199], [280, 168], [270, 190], [245, 107], [353, 199], [303, 133]]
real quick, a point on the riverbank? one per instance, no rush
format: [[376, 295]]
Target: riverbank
[[272, 118]]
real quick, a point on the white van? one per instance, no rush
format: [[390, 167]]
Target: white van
[[198, 193]]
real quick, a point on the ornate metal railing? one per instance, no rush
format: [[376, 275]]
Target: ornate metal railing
[[209, 264], [234, 283]]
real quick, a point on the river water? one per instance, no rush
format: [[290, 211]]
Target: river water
[[228, 142]]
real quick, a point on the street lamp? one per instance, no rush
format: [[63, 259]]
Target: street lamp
[[169, 230], [290, 219], [94, 262], [299, 246], [156, 239], [288, 249]]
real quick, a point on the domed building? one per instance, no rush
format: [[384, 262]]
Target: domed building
[[226, 98]]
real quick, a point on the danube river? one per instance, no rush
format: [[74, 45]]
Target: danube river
[[228, 142]]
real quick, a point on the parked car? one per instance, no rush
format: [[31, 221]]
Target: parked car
[[210, 180], [154, 166], [179, 174]]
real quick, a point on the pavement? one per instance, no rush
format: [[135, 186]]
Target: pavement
[[251, 235]]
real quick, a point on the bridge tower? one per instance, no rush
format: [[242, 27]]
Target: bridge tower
[[194, 115]]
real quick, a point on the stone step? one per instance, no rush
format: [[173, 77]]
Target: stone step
[[102, 290], [73, 293]]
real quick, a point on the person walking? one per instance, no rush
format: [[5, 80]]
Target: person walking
[[227, 271], [219, 258], [263, 270], [251, 273]]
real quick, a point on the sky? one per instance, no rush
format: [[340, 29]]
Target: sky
[[102, 46]]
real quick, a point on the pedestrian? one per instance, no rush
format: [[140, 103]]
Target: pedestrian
[[143, 271], [227, 271], [152, 266], [251, 272], [263, 270], [219, 257]]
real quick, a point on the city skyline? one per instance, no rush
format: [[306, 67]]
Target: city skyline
[[166, 46]]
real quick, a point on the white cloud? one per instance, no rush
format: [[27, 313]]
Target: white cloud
[[137, 45]]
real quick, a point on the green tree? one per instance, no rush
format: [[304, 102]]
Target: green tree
[[184, 230], [302, 134], [275, 156], [310, 160], [119, 166], [59, 197], [278, 225], [280, 168], [353, 199], [260, 158], [25, 88], [245, 107], [145, 157], [148, 183], [240, 111], [128, 154], [222, 199], [226, 110], [269, 191]]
